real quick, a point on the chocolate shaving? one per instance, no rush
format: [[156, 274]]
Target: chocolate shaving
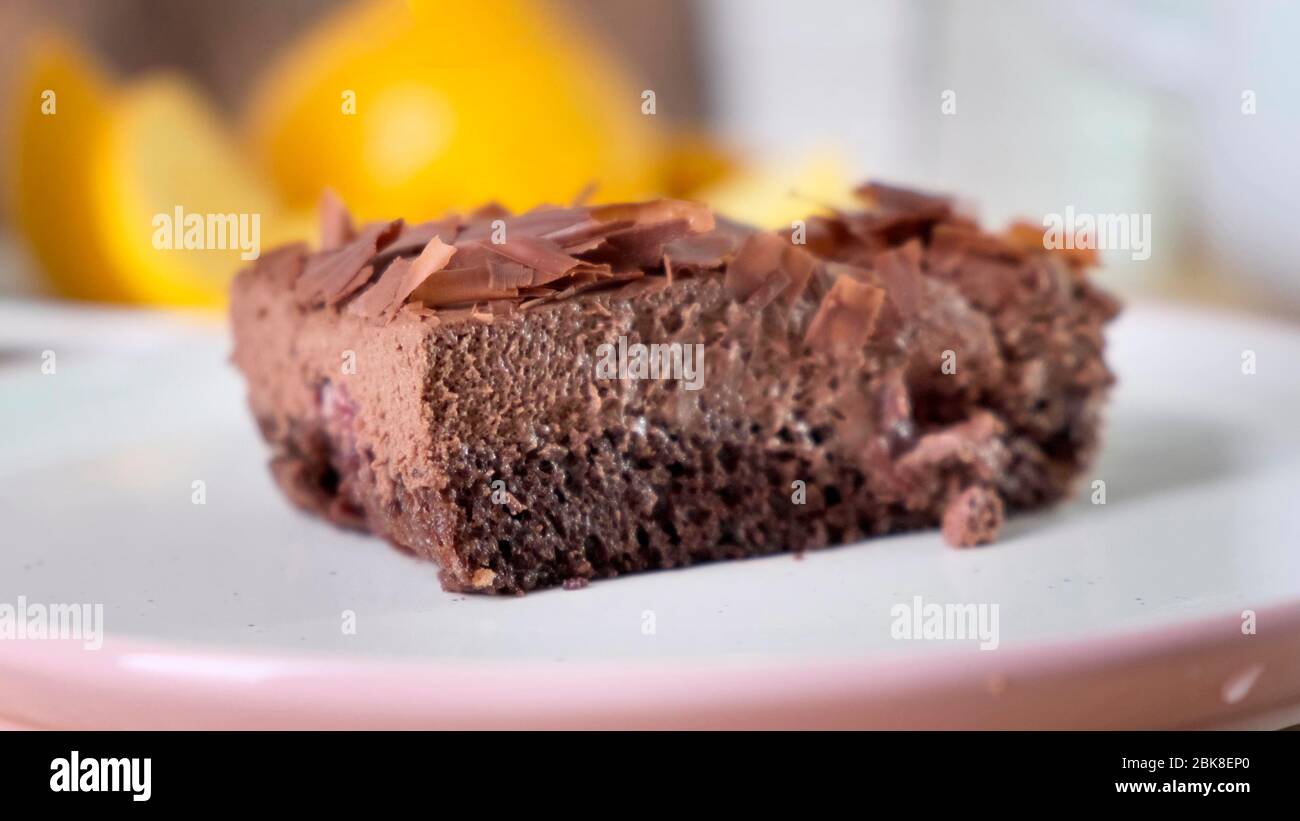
[[543, 256], [473, 253], [282, 266], [757, 259], [336, 229], [546, 219], [420, 312], [582, 280], [490, 211], [547, 253], [826, 236], [899, 271], [415, 238], [699, 251], [641, 245], [845, 318], [505, 275], [835, 270], [640, 286], [893, 216], [866, 270], [387, 295], [798, 265], [332, 276], [538, 222], [593, 272], [457, 286], [585, 235], [767, 293], [967, 239], [1027, 237], [763, 256], [894, 199], [698, 216]]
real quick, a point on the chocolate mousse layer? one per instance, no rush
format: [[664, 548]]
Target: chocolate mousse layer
[[575, 393]]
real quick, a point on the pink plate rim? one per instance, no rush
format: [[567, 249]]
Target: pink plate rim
[[1197, 673]]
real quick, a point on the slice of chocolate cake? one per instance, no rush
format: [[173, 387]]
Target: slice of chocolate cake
[[575, 393]]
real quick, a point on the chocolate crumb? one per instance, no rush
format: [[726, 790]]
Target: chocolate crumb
[[973, 518]]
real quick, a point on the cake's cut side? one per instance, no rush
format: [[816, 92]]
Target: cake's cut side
[[475, 391]]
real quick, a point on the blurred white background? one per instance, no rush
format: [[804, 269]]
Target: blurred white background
[[1106, 106]]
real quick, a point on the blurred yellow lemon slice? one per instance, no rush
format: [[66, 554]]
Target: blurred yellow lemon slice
[[414, 108], [58, 106], [774, 194], [694, 161], [179, 207]]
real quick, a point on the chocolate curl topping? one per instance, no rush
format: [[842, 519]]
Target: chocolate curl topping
[[640, 246], [336, 229], [489, 211], [551, 252], [332, 276], [871, 283], [546, 253], [538, 222], [698, 251], [968, 239], [899, 271], [457, 286], [400, 279], [543, 256], [585, 235], [798, 265], [881, 196], [1028, 237], [765, 256], [697, 216], [414, 238], [504, 275], [283, 265], [846, 317], [758, 257]]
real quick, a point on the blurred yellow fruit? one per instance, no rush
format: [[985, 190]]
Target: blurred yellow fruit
[[775, 194], [58, 107], [164, 164], [414, 108], [693, 161]]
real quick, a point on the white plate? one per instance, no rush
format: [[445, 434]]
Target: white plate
[[98, 463]]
